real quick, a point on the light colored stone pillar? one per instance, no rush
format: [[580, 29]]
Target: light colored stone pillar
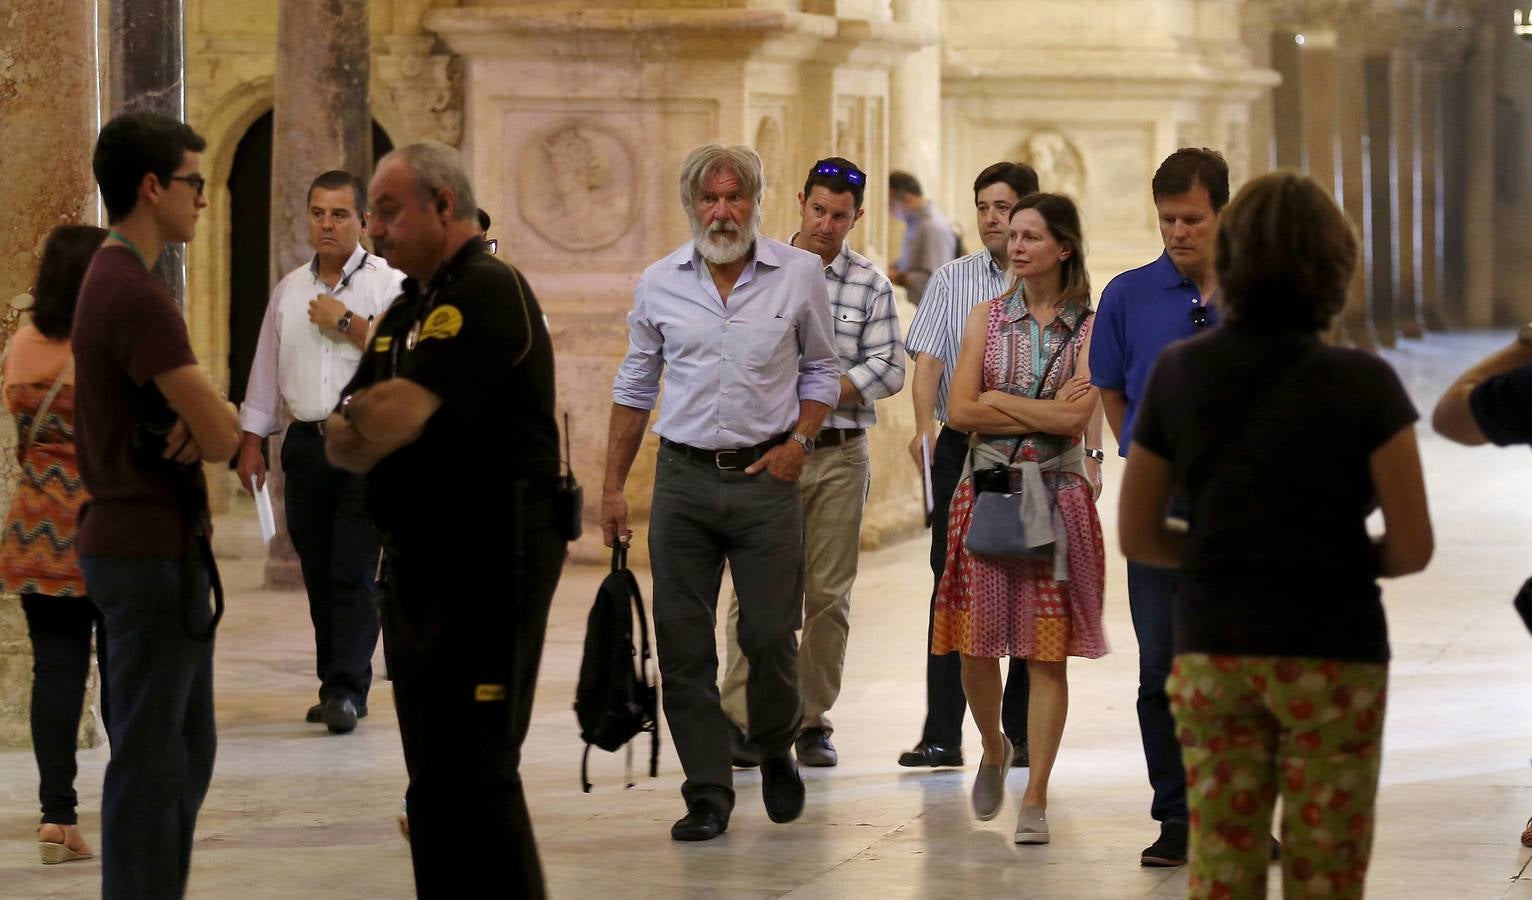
[[48, 104], [1382, 230], [321, 120], [915, 102]]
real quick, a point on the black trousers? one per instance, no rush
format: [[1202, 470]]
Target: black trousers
[[338, 552], [60, 629], [945, 702], [463, 632]]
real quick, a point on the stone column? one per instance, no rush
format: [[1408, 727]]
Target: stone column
[[915, 99], [1428, 198], [48, 102], [1405, 136], [148, 74], [321, 120], [1382, 230], [1479, 196], [1351, 176]]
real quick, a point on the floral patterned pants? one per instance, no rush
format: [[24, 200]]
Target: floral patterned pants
[[1255, 727]]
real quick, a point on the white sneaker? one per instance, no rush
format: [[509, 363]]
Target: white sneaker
[[1032, 826]]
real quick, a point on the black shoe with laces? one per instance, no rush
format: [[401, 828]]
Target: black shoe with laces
[[1169, 850], [814, 748], [929, 755]]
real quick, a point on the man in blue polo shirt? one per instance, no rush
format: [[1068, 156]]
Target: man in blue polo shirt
[[1141, 311]]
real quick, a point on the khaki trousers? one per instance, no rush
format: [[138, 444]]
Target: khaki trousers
[[835, 483]]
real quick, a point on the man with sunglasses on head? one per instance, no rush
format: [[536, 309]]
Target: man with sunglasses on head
[[934, 339], [837, 475], [310, 345], [1141, 311]]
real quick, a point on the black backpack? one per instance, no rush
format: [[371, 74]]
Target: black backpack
[[615, 700]]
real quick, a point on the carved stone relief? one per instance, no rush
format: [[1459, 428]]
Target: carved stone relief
[[1060, 165], [777, 215], [576, 183]]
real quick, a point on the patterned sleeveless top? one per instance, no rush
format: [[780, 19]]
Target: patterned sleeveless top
[[1017, 350]]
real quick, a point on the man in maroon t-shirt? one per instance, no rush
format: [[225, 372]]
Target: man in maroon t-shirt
[[146, 417]]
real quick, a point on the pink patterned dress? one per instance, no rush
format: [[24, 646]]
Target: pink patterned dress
[[991, 607]]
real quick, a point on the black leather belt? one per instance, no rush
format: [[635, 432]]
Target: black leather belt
[[730, 460], [834, 437], [309, 427]]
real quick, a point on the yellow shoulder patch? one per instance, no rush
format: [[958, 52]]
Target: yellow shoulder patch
[[382, 344], [443, 322]]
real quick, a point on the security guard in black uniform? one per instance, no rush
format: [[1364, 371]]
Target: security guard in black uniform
[[451, 416]]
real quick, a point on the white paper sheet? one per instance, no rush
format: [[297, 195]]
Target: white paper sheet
[[263, 511], [925, 468]]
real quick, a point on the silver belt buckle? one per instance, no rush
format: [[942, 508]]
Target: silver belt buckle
[[718, 459]]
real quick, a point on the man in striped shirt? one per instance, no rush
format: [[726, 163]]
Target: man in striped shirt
[[935, 335], [837, 475]]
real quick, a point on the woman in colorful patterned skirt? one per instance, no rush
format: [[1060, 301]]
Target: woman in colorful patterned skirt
[[1022, 389], [1282, 446], [37, 554]]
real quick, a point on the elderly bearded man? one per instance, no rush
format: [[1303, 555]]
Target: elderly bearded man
[[739, 325]]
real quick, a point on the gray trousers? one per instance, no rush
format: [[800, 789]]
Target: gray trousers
[[701, 518]]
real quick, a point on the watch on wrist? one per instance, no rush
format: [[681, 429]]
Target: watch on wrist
[[344, 325], [345, 407], [804, 441], [1096, 453]]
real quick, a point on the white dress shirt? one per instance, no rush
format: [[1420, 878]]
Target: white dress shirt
[[296, 362], [736, 370]]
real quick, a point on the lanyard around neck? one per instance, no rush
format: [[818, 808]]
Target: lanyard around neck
[[120, 238]]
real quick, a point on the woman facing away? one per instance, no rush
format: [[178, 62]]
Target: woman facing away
[[1022, 389], [37, 552], [1282, 446]]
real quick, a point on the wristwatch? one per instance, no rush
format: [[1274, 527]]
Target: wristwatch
[[1096, 454], [345, 407], [806, 442], [344, 325]]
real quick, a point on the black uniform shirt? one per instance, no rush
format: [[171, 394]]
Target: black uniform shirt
[[474, 337]]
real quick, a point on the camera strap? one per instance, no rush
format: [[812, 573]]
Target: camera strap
[[1037, 388]]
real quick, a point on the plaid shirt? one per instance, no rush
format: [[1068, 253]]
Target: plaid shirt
[[866, 335]]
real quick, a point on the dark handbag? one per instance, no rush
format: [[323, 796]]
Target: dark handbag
[[995, 526]]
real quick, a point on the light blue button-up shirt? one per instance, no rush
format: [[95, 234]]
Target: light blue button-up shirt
[[736, 371]]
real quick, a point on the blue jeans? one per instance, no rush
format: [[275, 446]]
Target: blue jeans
[[1151, 598], [160, 690]]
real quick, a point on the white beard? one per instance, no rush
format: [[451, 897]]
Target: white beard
[[723, 243]]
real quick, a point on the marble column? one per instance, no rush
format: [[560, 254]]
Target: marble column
[[1479, 194], [48, 104], [1382, 232], [915, 99], [1351, 176], [148, 74], [321, 120], [1428, 200], [1405, 119]]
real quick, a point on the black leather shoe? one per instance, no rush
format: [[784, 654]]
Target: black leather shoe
[[745, 752], [1170, 850], [1020, 757], [814, 748], [702, 822], [929, 755], [315, 715], [781, 788], [340, 715]]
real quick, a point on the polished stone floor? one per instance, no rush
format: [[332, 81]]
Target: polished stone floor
[[296, 813]]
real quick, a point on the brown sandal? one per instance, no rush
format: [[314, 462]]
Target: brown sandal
[[55, 852], [1526, 834]]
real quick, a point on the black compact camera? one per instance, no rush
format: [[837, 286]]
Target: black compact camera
[[153, 420], [995, 479]]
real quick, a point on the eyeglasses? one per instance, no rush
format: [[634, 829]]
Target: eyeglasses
[[197, 182], [1199, 316], [491, 245], [851, 173]]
